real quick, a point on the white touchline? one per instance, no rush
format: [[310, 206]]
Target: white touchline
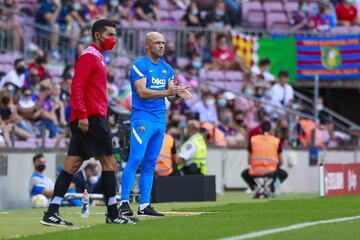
[[289, 228]]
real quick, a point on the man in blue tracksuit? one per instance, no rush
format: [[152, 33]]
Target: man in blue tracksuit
[[152, 79]]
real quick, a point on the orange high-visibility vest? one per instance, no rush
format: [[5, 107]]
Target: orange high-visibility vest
[[264, 156], [164, 163], [307, 125], [219, 139]]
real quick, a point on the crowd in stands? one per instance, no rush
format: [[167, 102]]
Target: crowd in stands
[[34, 103]]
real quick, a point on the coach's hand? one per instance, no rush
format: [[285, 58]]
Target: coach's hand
[[174, 90], [185, 93], [84, 125]]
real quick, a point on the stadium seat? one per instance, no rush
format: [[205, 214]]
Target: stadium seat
[[215, 75], [291, 6], [340, 30], [253, 14], [166, 5], [277, 22], [164, 14], [177, 14], [182, 62], [234, 75], [355, 29], [273, 6], [142, 24], [234, 86]]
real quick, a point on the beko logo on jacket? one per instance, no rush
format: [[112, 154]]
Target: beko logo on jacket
[[158, 81]]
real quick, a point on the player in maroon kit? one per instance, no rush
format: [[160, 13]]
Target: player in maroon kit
[[91, 136]]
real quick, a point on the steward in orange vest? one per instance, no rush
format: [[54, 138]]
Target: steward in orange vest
[[164, 164], [306, 129], [264, 158], [217, 137]]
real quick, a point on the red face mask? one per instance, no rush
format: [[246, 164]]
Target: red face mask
[[109, 43]]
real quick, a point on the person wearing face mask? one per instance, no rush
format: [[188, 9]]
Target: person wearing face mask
[[15, 76], [218, 18], [39, 63], [206, 108], [299, 20], [40, 184], [116, 11], [192, 16], [88, 179], [191, 159], [146, 11], [91, 134]]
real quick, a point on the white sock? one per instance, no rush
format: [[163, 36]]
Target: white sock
[[143, 206], [112, 201], [57, 200], [124, 201]]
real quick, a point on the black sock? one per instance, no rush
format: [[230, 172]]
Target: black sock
[[108, 181], [61, 186]]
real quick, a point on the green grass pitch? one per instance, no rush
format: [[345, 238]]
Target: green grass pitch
[[233, 214]]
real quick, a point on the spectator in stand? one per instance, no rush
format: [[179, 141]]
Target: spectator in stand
[[234, 10], [118, 10], [4, 135], [330, 9], [321, 21], [15, 76], [224, 57], [146, 11], [39, 63], [282, 131], [8, 23], [300, 19], [226, 124], [206, 108], [247, 105], [221, 101], [26, 106], [347, 13], [192, 17], [197, 46], [76, 9], [92, 11], [170, 54], [58, 106], [47, 15], [31, 78], [239, 139], [46, 116], [218, 18], [11, 119], [65, 84], [282, 92], [263, 69]]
